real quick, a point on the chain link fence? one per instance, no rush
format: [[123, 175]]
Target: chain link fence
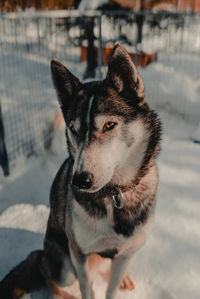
[[165, 46]]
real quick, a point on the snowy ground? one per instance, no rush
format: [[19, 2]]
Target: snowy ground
[[168, 266]]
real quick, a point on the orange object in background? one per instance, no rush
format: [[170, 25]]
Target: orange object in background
[[141, 59]]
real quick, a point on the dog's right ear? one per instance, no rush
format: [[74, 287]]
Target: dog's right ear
[[66, 84], [123, 74]]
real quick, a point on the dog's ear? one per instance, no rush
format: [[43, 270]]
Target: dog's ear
[[66, 84], [122, 73]]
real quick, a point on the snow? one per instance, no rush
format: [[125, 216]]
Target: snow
[[167, 267], [196, 134], [23, 98], [28, 103], [175, 84]]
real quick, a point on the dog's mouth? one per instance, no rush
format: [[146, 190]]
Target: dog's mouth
[[93, 189]]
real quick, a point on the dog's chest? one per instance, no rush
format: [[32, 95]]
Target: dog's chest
[[94, 234]]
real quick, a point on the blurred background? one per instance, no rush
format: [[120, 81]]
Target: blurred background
[[162, 36], [163, 39]]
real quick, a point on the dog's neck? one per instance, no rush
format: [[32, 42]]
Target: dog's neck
[[117, 191], [112, 189], [129, 178], [94, 203]]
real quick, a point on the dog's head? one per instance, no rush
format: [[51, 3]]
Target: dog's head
[[107, 122]]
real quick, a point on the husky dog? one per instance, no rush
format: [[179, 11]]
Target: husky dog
[[103, 197]]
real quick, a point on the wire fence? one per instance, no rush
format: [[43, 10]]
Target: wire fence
[[165, 46]]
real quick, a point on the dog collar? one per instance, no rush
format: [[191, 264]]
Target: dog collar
[[117, 195]]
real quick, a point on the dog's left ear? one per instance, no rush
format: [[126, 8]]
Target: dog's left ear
[[66, 84], [122, 73]]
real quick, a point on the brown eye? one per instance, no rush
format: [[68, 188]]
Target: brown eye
[[109, 126]]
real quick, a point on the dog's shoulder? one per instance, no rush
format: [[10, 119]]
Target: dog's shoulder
[[61, 176], [60, 188]]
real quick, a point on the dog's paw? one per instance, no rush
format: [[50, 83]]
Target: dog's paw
[[63, 295], [58, 293], [127, 283]]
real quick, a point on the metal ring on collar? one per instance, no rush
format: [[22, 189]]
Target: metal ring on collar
[[121, 200]]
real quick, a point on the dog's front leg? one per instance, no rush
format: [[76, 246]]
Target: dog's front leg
[[80, 263], [118, 268]]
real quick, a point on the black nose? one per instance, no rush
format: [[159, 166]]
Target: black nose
[[82, 180]]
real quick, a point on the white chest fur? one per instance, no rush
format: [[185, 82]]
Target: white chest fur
[[97, 235], [92, 234]]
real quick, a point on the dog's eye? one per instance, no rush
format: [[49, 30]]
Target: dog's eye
[[109, 126], [73, 130]]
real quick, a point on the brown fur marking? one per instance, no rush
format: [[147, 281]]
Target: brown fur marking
[[18, 293], [58, 292]]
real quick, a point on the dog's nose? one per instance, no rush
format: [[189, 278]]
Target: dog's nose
[[83, 180]]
